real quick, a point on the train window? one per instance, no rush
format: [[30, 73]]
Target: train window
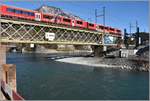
[[25, 13], [106, 28], [66, 20], [101, 27], [79, 22], [118, 31], [57, 19], [11, 10], [92, 25], [111, 29], [30, 14], [47, 16], [18, 11]]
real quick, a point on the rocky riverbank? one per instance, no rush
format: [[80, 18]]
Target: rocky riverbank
[[97, 62]]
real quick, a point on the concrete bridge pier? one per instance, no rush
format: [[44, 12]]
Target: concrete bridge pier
[[2, 61], [2, 54], [9, 75], [98, 51], [7, 71]]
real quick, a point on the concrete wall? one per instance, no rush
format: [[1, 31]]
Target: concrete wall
[[127, 53], [2, 61], [97, 50], [9, 75]]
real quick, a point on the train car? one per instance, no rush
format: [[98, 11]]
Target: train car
[[19, 13], [112, 30], [80, 24], [115, 31], [106, 29], [8, 11], [118, 32], [66, 21], [58, 19], [91, 26], [100, 28], [48, 18]]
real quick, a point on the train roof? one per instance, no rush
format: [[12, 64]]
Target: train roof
[[19, 8]]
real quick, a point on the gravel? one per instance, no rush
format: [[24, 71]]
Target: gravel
[[121, 63]]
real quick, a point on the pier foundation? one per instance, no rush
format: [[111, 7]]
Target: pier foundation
[[98, 51]]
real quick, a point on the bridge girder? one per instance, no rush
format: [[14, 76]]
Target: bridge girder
[[34, 32]]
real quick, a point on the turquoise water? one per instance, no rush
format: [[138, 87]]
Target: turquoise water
[[44, 79]]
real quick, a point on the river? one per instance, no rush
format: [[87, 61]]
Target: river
[[39, 78]]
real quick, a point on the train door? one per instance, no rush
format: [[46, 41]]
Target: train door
[[38, 16], [58, 19], [73, 22]]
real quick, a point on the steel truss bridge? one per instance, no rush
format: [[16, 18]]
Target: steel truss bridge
[[21, 31], [18, 31]]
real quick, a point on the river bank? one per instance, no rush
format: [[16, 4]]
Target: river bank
[[97, 62]]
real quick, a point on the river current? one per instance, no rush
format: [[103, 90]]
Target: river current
[[40, 78]]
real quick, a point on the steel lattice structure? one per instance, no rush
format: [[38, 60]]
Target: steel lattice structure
[[34, 32]]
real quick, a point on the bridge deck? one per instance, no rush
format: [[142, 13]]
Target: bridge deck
[[33, 32]]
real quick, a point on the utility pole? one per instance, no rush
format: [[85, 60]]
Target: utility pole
[[130, 26], [125, 39], [133, 26], [99, 15], [96, 16], [136, 33], [136, 24], [137, 38], [104, 16]]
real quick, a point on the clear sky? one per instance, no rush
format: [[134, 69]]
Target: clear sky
[[118, 13]]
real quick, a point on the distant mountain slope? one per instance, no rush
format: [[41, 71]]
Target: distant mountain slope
[[57, 11]]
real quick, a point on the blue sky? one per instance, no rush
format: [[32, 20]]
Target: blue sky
[[118, 13]]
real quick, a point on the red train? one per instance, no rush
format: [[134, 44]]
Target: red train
[[13, 12]]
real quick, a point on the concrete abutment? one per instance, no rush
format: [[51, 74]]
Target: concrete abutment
[[7, 72], [98, 50]]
